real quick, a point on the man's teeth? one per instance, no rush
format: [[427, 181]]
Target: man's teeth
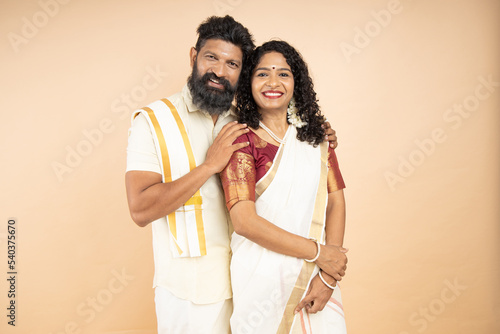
[[213, 80]]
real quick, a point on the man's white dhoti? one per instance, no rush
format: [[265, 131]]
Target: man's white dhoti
[[180, 316]]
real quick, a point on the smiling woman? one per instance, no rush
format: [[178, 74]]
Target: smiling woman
[[272, 82], [284, 194], [282, 57]]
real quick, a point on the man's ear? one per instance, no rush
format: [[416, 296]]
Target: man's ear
[[192, 56]]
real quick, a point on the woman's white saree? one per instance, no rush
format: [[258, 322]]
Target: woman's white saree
[[267, 286]]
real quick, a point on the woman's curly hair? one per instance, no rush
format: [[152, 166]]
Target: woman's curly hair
[[305, 96]]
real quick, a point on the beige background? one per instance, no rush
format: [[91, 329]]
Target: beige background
[[423, 179]]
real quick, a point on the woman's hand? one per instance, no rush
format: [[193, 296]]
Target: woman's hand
[[333, 261], [317, 296]]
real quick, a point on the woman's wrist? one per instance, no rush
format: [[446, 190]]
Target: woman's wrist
[[318, 251], [326, 279]]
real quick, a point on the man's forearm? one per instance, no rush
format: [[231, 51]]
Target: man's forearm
[[149, 200]]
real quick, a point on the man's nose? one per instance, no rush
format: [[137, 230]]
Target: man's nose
[[219, 70]]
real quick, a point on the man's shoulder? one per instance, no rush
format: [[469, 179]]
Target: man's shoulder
[[176, 99]]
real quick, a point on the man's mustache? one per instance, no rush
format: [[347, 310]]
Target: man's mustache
[[210, 75]]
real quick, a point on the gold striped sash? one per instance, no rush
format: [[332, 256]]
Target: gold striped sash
[[196, 200]]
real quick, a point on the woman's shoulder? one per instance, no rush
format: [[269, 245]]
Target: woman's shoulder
[[332, 157], [257, 146], [252, 138], [246, 137]]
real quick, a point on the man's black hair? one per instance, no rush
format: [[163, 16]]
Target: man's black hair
[[226, 29]]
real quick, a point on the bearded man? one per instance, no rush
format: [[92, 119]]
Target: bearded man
[[176, 148]]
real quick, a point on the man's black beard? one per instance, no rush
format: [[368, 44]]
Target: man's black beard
[[213, 100]]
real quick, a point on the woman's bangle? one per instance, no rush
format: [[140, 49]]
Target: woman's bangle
[[323, 280], [319, 250]]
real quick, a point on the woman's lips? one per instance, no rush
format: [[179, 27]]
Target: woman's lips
[[271, 94]]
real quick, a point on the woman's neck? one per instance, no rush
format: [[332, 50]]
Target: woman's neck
[[276, 120]]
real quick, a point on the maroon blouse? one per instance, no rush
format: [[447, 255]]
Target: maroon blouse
[[249, 164]]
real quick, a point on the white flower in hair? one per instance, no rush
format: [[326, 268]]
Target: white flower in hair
[[293, 118]]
